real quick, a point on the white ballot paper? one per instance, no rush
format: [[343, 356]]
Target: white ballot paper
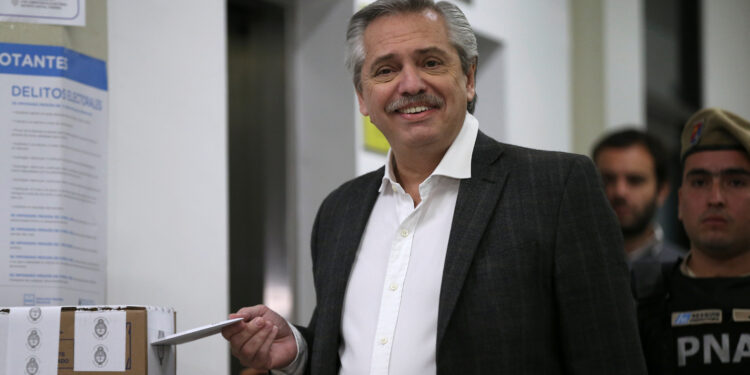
[[100, 341], [195, 333], [33, 340]]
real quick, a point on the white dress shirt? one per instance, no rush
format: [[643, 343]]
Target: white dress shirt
[[390, 312]]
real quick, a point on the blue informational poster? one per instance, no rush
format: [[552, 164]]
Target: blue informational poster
[[53, 180]]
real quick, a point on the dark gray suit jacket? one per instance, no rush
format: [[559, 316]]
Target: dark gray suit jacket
[[534, 281]]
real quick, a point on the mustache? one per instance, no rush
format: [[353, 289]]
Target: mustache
[[616, 202], [425, 99]]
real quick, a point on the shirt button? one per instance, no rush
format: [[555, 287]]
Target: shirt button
[[393, 187], [404, 233], [383, 341], [393, 286]]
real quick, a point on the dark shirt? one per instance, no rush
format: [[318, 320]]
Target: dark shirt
[[695, 325]]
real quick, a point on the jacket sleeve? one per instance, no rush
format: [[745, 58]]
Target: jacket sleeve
[[597, 321]]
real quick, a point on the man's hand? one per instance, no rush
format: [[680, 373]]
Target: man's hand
[[263, 340]]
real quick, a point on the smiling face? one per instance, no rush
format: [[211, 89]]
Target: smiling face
[[413, 87], [715, 202]]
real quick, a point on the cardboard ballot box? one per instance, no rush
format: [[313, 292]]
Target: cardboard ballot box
[[95, 340]]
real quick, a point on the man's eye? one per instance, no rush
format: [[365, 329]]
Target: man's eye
[[698, 182], [383, 71], [431, 63], [636, 180], [737, 182]]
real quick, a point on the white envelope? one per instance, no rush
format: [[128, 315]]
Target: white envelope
[[195, 333]]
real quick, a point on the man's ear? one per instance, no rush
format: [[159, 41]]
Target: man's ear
[[362, 106], [471, 82]]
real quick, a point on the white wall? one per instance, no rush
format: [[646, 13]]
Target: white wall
[[726, 55], [321, 125], [624, 63], [167, 169], [609, 68], [535, 40]]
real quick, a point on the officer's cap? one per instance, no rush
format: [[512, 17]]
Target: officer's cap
[[715, 129]]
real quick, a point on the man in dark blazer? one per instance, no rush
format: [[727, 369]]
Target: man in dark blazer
[[528, 255]]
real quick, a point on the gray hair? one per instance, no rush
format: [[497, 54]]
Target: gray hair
[[459, 31]]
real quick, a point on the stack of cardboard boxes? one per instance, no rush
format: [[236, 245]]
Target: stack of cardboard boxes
[[101, 340]]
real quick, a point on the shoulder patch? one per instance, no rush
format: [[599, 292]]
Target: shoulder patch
[[688, 318], [741, 315]]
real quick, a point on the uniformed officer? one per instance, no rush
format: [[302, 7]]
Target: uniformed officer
[[694, 313]]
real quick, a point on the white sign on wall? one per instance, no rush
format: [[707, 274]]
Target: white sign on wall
[[53, 128], [53, 12]]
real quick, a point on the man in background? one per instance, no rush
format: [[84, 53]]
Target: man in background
[[694, 314], [633, 166]]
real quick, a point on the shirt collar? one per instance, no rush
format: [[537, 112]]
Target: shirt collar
[[685, 268], [456, 163], [651, 246]]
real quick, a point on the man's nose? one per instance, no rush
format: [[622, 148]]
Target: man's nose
[[620, 187], [411, 81], [716, 195]]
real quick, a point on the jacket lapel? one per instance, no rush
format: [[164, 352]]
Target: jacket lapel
[[477, 198], [359, 208], [358, 205]]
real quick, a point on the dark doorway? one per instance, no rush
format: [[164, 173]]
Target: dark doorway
[[674, 91], [257, 152]]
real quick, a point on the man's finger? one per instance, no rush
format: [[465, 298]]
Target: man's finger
[[265, 349], [250, 349], [249, 329], [251, 312], [232, 330]]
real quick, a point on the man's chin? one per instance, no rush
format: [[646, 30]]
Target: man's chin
[[639, 221], [720, 248], [634, 229]]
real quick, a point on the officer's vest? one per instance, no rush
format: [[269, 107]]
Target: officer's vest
[[693, 326]]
